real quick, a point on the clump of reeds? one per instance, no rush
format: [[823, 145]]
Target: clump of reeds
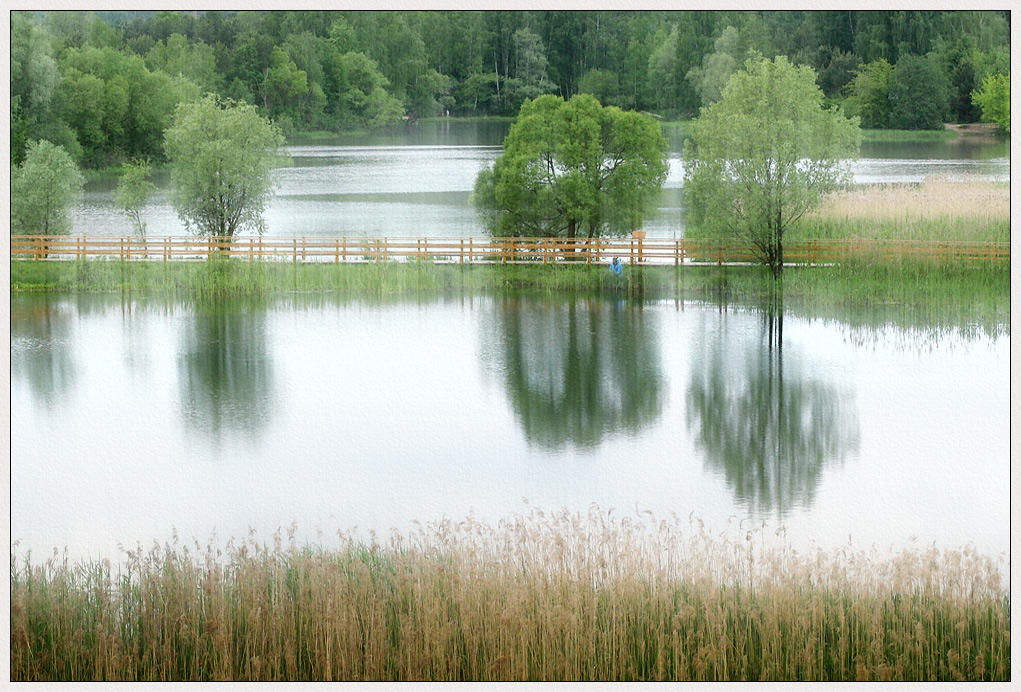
[[562, 596], [222, 277], [938, 209]]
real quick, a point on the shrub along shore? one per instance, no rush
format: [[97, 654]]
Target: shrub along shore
[[562, 596]]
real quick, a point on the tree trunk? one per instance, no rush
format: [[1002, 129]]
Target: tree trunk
[[778, 245], [776, 259]]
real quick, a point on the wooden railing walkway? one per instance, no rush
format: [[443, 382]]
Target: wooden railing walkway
[[649, 251]]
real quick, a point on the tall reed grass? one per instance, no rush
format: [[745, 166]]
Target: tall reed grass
[[938, 209], [560, 596], [976, 292], [222, 277]]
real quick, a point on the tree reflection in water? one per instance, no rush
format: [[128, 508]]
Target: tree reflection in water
[[41, 353], [770, 428], [225, 370], [578, 370]]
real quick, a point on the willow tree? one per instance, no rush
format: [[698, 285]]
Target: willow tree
[[764, 155], [573, 169], [134, 190], [221, 156], [43, 189]]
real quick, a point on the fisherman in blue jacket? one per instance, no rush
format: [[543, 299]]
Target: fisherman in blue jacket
[[616, 267]]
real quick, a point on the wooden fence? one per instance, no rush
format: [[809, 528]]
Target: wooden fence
[[649, 251]]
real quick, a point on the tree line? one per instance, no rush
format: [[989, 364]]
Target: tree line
[[104, 85]]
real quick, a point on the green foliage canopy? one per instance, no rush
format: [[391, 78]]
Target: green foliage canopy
[[764, 154], [297, 66], [221, 156], [994, 100], [712, 76], [602, 84], [43, 189], [133, 191], [34, 78], [573, 167], [870, 94], [919, 95]]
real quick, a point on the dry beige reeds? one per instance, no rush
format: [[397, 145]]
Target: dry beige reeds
[[540, 596], [935, 198], [939, 209]]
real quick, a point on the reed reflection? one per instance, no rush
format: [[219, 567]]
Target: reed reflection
[[770, 428], [225, 369], [577, 371]]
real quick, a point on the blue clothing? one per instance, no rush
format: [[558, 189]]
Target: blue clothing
[[616, 267]]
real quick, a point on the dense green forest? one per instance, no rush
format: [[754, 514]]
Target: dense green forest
[[104, 85]]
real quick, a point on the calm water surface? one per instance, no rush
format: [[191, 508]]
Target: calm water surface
[[132, 418], [418, 181]]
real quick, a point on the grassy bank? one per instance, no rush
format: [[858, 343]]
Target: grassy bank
[[469, 119], [240, 277], [683, 128], [907, 135], [974, 292], [536, 597]]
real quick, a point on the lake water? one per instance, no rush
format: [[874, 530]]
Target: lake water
[[417, 182], [133, 418]]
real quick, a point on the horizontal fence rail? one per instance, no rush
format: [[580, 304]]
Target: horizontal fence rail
[[648, 251]]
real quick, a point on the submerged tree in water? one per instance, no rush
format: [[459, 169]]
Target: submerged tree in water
[[133, 192], [573, 169], [221, 155], [764, 155]]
